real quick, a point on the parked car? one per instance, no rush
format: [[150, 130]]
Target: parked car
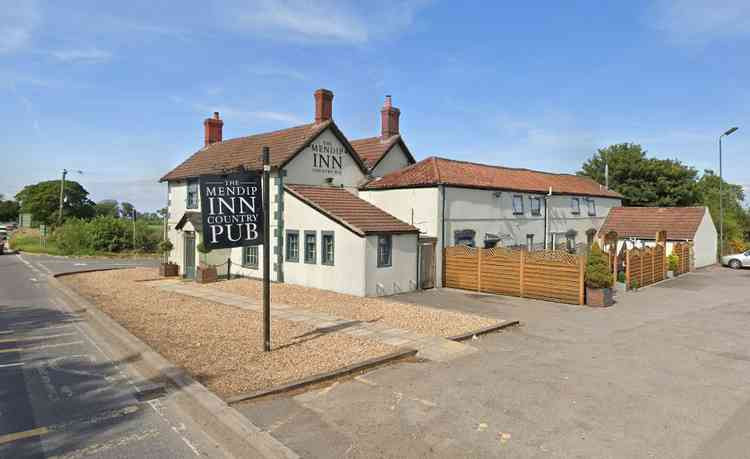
[[737, 260]]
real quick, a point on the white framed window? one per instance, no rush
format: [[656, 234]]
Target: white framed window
[[311, 242], [536, 206], [384, 250], [292, 245], [529, 242], [192, 194], [328, 248], [591, 205], [575, 206], [250, 257], [517, 204]]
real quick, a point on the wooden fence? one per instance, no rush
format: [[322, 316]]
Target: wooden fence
[[684, 252], [545, 275], [645, 266]]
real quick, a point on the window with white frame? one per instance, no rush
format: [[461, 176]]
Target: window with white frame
[[517, 204], [575, 206], [192, 194], [529, 242], [292, 245], [250, 257], [327, 248], [536, 206], [591, 205], [384, 250], [311, 241]]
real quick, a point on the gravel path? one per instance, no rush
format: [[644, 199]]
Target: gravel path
[[218, 345], [419, 319]]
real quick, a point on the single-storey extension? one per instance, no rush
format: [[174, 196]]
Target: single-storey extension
[[638, 227]]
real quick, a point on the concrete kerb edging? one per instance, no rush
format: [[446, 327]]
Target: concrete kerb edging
[[343, 371], [225, 423], [484, 330]]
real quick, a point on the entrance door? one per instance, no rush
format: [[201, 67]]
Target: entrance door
[[189, 257], [427, 262]]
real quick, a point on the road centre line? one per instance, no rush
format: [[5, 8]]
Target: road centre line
[[10, 365], [35, 338]]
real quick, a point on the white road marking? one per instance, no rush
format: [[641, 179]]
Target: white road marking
[[49, 346], [9, 365], [157, 406], [6, 332], [34, 338], [80, 264]]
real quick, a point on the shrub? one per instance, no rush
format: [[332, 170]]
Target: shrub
[[597, 269], [165, 246], [621, 277], [634, 284], [737, 246], [673, 261], [73, 237], [146, 239], [110, 234]]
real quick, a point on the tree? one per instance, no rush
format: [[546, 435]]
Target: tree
[[8, 210], [736, 218], [643, 181], [107, 208], [42, 200]]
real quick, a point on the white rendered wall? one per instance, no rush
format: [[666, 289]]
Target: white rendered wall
[[401, 276], [301, 169], [705, 244], [395, 159]]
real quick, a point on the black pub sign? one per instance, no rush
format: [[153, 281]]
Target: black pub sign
[[231, 210]]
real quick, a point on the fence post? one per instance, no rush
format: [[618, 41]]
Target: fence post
[[653, 265], [229, 268], [581, 279], [627, 268], [479, 270], [521, 269]]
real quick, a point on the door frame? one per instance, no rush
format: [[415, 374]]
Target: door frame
[[188, 271], [432, 269]]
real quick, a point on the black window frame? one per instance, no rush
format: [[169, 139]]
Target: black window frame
[[287, 246], [314, 259], [514, 199], [245, 255], [575, 206], [192, 204], [538, 201], [389, 261], [324, 259]]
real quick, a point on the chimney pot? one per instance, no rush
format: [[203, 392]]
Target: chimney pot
[[213, 128], [389, 116], [323, 105]]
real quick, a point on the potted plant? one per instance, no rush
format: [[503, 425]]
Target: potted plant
[[598, 279], [672, 261], [167, 268], [634, 285], [205, 273]]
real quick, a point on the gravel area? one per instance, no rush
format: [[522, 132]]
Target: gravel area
[[218, 345], [408, 316]]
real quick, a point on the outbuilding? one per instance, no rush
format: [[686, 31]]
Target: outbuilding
[[637, 226]]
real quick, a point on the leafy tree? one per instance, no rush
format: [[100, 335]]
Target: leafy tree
[[735, 216], [107, 208], [8, 210], [643, 181], [42, 200]]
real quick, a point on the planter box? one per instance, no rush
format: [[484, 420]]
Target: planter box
[[599, 297], [169, 269], [205, 274]]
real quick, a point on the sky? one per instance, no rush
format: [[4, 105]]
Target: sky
[[119, 90]]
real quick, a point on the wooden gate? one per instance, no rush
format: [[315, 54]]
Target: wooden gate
[[427, 262], [547, 274], [684, 252]]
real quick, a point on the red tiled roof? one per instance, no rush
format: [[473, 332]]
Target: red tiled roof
[[355, 213], [440, 171], [372, 149], [246, 151], [645, 222]]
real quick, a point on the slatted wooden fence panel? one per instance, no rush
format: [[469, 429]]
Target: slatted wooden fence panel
[[548, 275], [646, 266], [684, 252], [461, 266]]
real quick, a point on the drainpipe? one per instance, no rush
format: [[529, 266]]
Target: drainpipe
[[546, 218], [442, 237]]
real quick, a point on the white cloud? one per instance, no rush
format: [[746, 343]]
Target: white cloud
[[16, 25], [325, 21], [240, 115], [82, 55], [699, 22]]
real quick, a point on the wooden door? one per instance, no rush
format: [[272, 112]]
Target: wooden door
[[189, 256], [427, 263]]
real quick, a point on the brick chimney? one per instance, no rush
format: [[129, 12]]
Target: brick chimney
[[323, 105], [213, 127], [389, 119]]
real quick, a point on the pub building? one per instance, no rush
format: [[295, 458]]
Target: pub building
[[363, 217]]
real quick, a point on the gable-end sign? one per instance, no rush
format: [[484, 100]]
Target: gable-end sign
[[231, 210]]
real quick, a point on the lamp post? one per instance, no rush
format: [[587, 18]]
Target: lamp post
[[721, 193], [62, 194]]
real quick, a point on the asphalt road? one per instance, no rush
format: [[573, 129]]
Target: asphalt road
[[664, 373], [60, 394]]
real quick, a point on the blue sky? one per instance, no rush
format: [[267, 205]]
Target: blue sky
[[120, 89]]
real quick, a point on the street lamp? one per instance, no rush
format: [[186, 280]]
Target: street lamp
[[62, 192], [729, 131]]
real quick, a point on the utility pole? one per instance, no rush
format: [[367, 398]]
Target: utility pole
[[721, 195], [62, 190], [133, 230], [266, 251]]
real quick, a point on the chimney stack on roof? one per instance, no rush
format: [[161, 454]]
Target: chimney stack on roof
[[389, 119], [213, 129], [323, 105]]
